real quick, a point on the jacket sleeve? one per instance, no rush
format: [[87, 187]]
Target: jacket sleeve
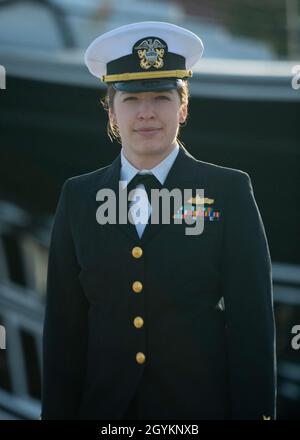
[[248, 295], [65, 324]]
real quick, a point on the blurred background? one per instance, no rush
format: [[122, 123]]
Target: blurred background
[[244, 110]]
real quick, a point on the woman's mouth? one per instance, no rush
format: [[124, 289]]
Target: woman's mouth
[[148, 132]]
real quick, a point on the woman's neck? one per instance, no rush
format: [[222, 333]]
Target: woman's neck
[[146, 162]]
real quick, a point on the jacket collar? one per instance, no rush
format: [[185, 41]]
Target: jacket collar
[[186, 172]]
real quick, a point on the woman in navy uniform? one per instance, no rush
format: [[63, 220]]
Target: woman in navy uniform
[[143, 320]]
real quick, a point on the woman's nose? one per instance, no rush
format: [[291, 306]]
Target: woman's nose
[[146, 110]]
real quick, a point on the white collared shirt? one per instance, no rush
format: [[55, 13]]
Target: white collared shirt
[[160, 171]]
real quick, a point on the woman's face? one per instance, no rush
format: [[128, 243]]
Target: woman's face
[[148, 122]]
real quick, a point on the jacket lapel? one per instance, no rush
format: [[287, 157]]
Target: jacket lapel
[[111, 180], [184, 174]]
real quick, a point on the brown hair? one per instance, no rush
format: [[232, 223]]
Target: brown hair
[[108, 99]]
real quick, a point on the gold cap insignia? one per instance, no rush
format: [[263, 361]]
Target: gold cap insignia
[[266, 418], [151, 52]]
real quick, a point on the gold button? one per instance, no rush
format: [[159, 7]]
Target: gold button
[[140, 357], [138, 322], [137, 252], [137, 286]]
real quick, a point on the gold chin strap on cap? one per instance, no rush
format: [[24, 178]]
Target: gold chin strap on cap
[[147, 75]]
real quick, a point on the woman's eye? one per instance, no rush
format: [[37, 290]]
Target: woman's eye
[[129, 98], [163, 97]]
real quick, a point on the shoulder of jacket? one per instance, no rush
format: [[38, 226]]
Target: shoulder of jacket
[[82, 181], [224, 174]]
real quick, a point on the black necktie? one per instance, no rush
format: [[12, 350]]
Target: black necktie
[[149, 180]]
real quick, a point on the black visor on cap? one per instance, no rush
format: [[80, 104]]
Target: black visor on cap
[[148, 85]]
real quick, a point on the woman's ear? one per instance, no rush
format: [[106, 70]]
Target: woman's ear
[[183, 111]]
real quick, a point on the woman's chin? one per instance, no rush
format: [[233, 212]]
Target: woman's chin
[[150, 149]]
